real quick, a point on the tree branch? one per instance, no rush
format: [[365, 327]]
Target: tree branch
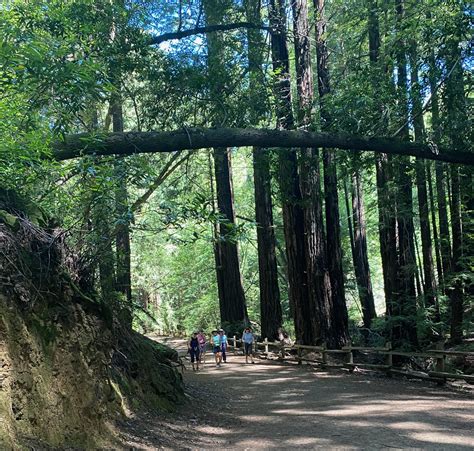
[[162, 176], [200, 138], [201, 30]]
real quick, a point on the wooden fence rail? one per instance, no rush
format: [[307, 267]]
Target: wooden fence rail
[[439, 375]]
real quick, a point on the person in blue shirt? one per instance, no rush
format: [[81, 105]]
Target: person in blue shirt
[[223, 344], [248, 339], [216, 347]]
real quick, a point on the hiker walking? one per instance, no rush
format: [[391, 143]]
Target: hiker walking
[[216, 347], [223, 344], [248, 339], [194, 351], [202, 346]]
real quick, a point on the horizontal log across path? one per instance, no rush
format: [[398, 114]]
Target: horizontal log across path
[[130, 143]]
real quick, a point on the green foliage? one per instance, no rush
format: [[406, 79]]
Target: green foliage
[[62, 64]]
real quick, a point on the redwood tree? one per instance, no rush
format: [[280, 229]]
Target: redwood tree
[[423, 206], [232, 303], [338, 334], [457, 123], [270, 307], [384, 172], [288, 178], [406, 303], [316, 308], [360, 254]]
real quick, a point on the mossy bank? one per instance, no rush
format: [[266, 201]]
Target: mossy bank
[[68, 365]]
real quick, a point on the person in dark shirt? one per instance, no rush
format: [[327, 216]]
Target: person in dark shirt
[[194, 351]]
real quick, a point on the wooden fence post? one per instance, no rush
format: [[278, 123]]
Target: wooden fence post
[[324, 354], [440, 358], [349, 356], [266, 345], [235, 343], [389, 358], [441, 362]]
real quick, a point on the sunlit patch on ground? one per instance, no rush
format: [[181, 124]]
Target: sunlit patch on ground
[[269, 405]]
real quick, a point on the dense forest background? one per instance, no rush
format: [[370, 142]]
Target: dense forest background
[[329, 244]]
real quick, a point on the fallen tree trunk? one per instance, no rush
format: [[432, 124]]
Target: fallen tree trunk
[[199, 138]]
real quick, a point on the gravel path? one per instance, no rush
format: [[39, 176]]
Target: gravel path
[[273, 405]]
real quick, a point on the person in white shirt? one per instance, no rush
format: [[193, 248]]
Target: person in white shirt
[[248, 339]]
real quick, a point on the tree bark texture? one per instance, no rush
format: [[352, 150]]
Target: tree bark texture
[[444, 235], [232, 302], [456, 284], [435, 125], [122, 236], [316, 311], [338, 334], [270, 306], [360, 257], [429, 287], [384, 177], [439, 267], [293, 215], [407, 262], [457, 125], [100, 222], [131, 143]]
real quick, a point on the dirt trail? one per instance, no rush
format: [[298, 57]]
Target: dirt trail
[[271, 405]]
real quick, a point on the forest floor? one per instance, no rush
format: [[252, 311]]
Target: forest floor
[[280, 405]]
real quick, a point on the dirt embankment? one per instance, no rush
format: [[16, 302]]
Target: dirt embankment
[[68, 366]]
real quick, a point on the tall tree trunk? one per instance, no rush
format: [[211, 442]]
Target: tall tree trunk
[[316, 310], [270, 306], [444, 235], [106, 257], [436, 131], [467, 217], [457, 124], [123, 282], [360, 257], [293, 216], [350, 214], [215, 232], [232, 303], [339, 332], [425, 229], [444, 238], [387, 205], [439, 266], [419, 280], [122, 238], [406, 308], [456, 285]]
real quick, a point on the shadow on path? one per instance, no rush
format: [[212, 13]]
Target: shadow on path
[[270, 405]]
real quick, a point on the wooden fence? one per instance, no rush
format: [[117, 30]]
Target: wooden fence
[[296, 353]]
